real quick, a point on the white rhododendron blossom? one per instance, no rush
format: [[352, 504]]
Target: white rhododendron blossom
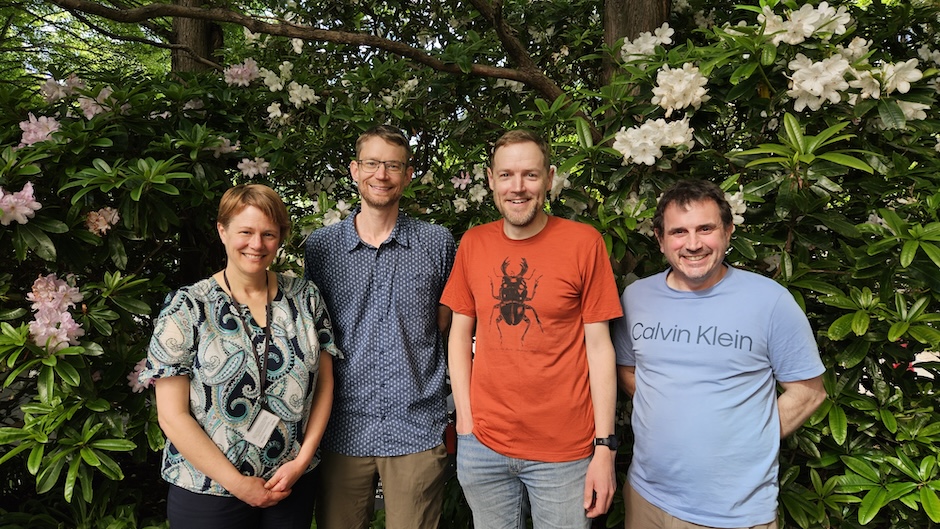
[[19, 206], [559, 183], [460, 204], [814, 83], [868, 87], [514, 86], [478, 193], [899, 76], [821, 21], [226, 147], [643, 144], [856, 49], [645, 44], [680, 88], [256, 167], [242, 74], [738, 206], [913, 111], [271, 79]]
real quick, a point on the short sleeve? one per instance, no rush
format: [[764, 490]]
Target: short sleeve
[[794, 354], [172, 347], [323, 323]]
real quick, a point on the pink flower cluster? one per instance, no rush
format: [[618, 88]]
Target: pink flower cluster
[[53, 90], [53, 326], [99, 222], [242, 74], [18, 206], [36, 129], [92, 107], [133, 378]]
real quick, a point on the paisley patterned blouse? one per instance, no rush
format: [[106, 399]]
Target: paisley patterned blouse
[[200, 334]]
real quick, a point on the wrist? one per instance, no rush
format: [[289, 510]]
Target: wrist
[[609, 442]]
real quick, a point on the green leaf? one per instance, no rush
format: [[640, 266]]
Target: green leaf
[[838, 424], [841, 327], [871, 504], [931, 504], [862, 467], [10, 435], [888, 419], [114, 445], [794, 131], [908, 251], [847, 161], [891, 114], [860, 321], [68, 373], [37, 240], [932, 251]]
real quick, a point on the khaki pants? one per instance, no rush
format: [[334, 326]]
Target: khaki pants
[[413, 485], [641, 514]]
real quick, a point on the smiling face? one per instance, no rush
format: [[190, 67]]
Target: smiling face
[[380, 190], [251, 240], [520, 180], [694, 240]]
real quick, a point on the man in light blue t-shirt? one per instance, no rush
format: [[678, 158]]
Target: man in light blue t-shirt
[[701, 349]]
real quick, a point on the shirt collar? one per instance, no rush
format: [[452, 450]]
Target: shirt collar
[[350, 239]]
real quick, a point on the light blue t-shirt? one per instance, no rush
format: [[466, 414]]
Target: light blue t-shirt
[[705, 420]]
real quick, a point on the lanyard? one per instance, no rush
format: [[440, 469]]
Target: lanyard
[[261, 359]]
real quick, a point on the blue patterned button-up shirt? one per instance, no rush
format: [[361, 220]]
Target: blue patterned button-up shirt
[[390, 393]]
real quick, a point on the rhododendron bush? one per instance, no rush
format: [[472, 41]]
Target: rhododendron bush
[[819, 120]]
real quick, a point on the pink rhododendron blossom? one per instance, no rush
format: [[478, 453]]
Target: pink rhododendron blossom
[[133, 378], [53, 326], [256, 167], [461, 180], [92, 107], [50, 292], [18, 206], [53, 90], [99, 222], [242, 74], [38, 129]]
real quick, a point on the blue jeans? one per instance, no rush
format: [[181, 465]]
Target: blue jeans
[[498, 487]]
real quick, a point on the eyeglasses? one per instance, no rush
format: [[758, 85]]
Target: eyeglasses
[[391, 167]]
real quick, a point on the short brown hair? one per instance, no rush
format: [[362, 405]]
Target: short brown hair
[[684, 192], [387, 133], [258, 195], [512, 137]]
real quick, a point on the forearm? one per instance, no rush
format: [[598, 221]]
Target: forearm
[[603, 377], [626, 376], [187, 435], [319, 411], [798, 402], [460, 365]]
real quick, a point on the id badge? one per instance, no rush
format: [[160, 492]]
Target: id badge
[[262, 427]]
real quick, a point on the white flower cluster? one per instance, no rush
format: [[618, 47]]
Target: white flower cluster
[[645, 44], [559, 183], [514, 86], [821, 21], [813, 83], [738, 206], [644, 144], [256, 167], [393, 98], [337, 214], [678, 88], [633, 206]]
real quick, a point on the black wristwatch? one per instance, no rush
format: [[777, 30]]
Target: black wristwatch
[[610, 442]]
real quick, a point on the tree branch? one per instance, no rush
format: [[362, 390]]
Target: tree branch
[[80, 16], [531, 77]]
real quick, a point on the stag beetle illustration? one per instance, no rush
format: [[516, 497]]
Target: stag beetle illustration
[[513, 295]]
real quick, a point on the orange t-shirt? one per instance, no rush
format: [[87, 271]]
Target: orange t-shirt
[[529, 389]]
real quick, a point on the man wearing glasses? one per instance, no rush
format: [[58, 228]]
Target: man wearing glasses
[[382, 274]]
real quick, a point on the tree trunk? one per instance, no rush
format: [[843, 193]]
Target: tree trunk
[[201, 38], [627, 19]]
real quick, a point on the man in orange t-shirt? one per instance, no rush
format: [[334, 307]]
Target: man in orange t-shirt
[[535, 397]]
